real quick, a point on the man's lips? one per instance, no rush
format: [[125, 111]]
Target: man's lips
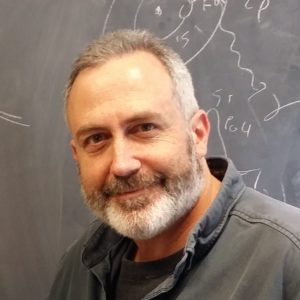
[[132, 193]]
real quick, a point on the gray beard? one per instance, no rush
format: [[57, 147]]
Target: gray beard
[[143, 217]]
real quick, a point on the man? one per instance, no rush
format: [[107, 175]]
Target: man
[[172, 225]]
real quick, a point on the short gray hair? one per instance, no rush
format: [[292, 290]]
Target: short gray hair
[[125, 41]]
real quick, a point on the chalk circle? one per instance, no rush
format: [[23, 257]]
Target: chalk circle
[[187, 25]]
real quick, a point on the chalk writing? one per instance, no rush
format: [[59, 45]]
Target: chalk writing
[[247, 5], [183, 38], [218, 96], [192, 25], [209, 3], [230, 125], [263, 6], [205, 5]]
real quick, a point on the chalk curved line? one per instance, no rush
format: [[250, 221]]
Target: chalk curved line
[[108, 16], [136, 13], [14, 122], [218, 128], [258, 91], [276, 111], [283, 191], [262, 7], [239, 57], [246, 5], [9, 115], [174, 30], [257, 178], [182, 20], [212, 35]]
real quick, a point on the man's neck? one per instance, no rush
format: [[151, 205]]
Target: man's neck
[[174, 238]]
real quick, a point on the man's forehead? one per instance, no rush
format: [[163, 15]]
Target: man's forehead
[[137, 69], [137, 79], [132, 63]]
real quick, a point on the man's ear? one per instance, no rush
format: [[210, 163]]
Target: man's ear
[[74, 150], [200, 127]]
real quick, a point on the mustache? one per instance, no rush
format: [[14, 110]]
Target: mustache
[[135, 182]]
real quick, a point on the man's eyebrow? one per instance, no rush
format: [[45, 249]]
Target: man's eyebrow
[[85, 129], [140, 116]]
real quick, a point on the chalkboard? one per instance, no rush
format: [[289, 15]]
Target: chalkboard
[[244, 56]]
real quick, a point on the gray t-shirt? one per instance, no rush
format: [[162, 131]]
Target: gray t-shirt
[[137, 279]]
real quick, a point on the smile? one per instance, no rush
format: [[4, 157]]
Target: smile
[[134, 193]]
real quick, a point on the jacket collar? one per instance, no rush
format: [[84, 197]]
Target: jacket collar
[[210, 226]]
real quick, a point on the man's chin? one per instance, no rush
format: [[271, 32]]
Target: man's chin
[[131, 206], [133, 223]]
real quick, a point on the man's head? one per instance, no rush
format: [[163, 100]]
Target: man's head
[[139, 153], [128, 41]]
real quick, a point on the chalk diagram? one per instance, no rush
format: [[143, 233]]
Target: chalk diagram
[[191, 39], [13, 119]]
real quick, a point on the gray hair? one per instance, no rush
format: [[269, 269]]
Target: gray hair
[[127, 41]]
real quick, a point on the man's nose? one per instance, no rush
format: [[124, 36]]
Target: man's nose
[[124, 161]]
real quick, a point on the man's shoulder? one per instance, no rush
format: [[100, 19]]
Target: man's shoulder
[[257, 208], [71, 273]]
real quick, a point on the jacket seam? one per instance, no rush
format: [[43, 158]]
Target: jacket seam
[[284, 231]]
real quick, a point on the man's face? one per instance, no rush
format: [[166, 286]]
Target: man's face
[[139, 166]]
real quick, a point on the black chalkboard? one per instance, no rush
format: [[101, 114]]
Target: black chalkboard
[[245, 59]]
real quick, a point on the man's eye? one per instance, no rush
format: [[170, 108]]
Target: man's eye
[[95, 138], [144, 130], [146, 127]]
